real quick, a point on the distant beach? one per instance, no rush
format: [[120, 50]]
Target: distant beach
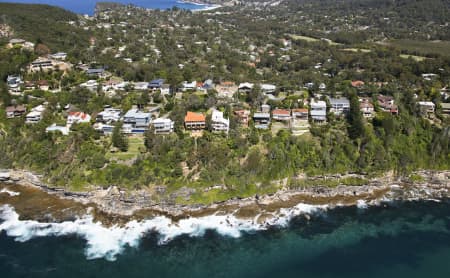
[[88, 6]]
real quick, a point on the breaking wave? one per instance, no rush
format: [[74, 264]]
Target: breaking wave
[[108, 242]]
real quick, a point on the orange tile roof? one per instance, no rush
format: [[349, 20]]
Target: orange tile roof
[[194, 117], [281, 112], [301, 110]]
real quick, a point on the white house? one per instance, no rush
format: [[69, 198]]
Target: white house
[[35, 115], [318, 110], [219, 123], [59, 56], [268, 88], [426, 107], [246, 87], [91, 85], [163, 126], [109, 115], [63, 129], [339, 106], [185, 86], [137, 121]]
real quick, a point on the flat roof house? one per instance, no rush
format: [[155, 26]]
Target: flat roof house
[[156, 84], [219, 123], [163, 126], [262, 120], [194, 121], [39, 64], [109, 115], [35, 115], [138, 120], [339, 106], [426, 107], [99, 73], [318, 111], [445, 108]]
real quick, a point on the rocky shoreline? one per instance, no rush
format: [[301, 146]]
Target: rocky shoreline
[[140, 204]]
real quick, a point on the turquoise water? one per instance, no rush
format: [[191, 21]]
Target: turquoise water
[[397, 240], [87, 6]]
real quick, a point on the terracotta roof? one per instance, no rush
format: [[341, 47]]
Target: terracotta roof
[[357, 83], [194, 117], [300, 110], [281, 112], [78, 115]]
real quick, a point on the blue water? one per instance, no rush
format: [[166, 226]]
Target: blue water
[[398, 240], [87, 6]]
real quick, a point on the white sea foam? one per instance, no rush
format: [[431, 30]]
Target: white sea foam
[[108, 242], [361, 204], [9, 192]]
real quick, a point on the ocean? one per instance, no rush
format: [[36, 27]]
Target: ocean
[[87, 6], [394, 239]]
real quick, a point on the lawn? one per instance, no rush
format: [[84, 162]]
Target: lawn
[[357, 50], [414, 57], [134, 143], [421, 48]]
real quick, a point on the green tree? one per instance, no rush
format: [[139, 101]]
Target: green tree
[[119, 140]]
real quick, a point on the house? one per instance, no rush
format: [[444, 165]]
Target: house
[[300, 114], [387, 104], [282, 115], [96, 72], [245, 87], [109, 115], [16, 42], [15, 111], [194, 121], [226, 89], [142, 86], [91, 85], [242, 117], [318, 111], [268, 88], [13, 81], [137, 121], [219, 123], [208, 84], [445, 108], [426, 108], [366, 107], [78, 117], [59, 56], [163, 126], [155, 84], [265, 108], [43, 85], [188, 86], [165, 89], [339, 106], [262, 120], [103, 128], [53, 128], [39, 64], [35, 115]]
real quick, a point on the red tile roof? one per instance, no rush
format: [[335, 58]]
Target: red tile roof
[[283, 112]]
